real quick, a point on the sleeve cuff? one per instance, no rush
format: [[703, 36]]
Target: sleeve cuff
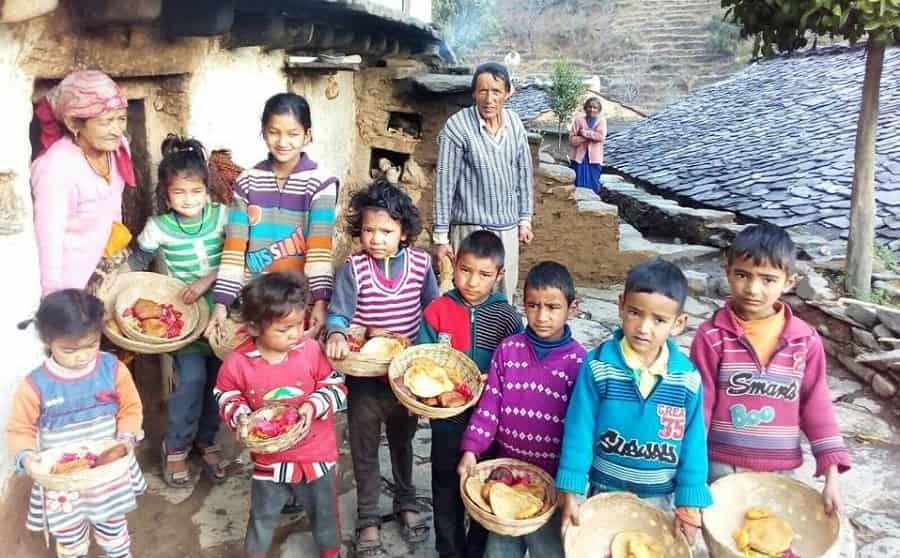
[[20, 457], [571, 481], [693, 496], [440, 237], [321, 294], [222, 298], [320, 404], [838, 457], [525, 222]]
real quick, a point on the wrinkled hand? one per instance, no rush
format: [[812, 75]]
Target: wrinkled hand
[[219, 315], [570, 515], [526, 235], [317, 319], [307, 413], [30, 462], [689, 531], [441, 250], [467, 464], [337, 347], [193, 291], [832, 493]]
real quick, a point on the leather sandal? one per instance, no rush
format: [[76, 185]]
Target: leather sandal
[[215, 472], [176, 479]]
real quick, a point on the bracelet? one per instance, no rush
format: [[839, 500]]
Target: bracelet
[[20, 459]]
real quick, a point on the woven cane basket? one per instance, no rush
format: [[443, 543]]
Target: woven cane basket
[[362, 365], [113, 332], [442, 355], [272, 445], [605, 515], [87, 478], [228, 335], [816, 534], [158, 288], [511, 527]]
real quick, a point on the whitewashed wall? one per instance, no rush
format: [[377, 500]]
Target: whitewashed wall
[[333, 120], [20, 281], [420, 9]]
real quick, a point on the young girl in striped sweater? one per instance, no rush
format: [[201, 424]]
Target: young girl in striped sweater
[[282, 214], [385, 285], [190, 233]]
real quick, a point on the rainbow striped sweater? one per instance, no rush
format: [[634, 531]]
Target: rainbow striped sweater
[[618, 440], [755, 414], [271, 228]]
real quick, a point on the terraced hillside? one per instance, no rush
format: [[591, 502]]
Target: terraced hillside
[[647, 53]]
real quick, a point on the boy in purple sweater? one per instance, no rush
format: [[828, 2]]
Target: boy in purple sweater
[[524, 404]]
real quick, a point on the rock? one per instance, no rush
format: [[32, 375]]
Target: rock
[[697, 308], [698, 281], [861, 371], [890, 319], [443, 83], [839, 387], [881, 331], [814, 287], [723, 288], [609, 295], [865, 315], [866, 339], [890, 288], [600, 311], [546, 157], [559, 173], [853, 420], [883, 386]]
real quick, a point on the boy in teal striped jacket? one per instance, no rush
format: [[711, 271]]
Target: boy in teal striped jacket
[[635, 419]]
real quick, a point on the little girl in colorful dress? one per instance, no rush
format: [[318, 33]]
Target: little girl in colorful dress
[[77, 394], [190, 233]]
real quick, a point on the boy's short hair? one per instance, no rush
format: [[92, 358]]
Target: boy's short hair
[[658, 277], [765, 244], [483, 244], [551, 275], [271, 296]]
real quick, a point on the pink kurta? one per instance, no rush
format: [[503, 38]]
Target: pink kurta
[[585, 140], [74, 209]]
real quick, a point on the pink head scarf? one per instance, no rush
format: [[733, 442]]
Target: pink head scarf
[[83, 94]]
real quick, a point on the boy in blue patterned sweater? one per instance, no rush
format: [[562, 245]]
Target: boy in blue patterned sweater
[[635, 419]]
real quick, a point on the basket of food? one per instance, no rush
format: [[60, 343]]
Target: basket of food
[[435, 380], [228, 335], [82, 465], [272, 428], [117, 335], [371, 352], [150, 309], [508, 496], [621, 525], [768, 514]]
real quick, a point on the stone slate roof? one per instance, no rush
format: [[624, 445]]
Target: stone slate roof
[[774, 142], [529, 102]]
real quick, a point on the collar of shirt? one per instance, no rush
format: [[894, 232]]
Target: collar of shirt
[[484, 127], [659, 367]]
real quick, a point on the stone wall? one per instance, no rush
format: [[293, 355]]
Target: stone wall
[[572, 226]]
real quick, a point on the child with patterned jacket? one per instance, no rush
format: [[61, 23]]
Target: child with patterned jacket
[[473, 318], [525, 423], [78, 394], [635, 419], [385, 285], [189, 233], [278, 364], [763, 369]]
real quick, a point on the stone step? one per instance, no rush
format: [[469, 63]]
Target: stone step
[[657, 216], [631, 241]]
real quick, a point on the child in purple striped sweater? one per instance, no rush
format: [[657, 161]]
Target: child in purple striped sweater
[[527, 394]]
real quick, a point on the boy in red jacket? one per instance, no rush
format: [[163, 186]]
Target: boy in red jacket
[[763, 370], [278, 364]]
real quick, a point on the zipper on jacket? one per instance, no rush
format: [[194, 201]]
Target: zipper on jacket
[[749, 347]]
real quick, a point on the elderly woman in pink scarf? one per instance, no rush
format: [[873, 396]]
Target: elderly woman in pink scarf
[[78, 180]]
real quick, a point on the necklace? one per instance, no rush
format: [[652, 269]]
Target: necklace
[[181, 228], [97, 167]]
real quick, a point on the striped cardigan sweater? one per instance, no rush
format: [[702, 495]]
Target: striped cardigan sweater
[[755, 414], [524, 403], [482, 179], [619, 440], [271, 228]]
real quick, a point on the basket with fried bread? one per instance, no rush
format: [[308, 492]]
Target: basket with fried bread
[[82, 465], [272, 428], [769, 514], [621, 525], [123, 339], [371, 352], [150, 308], [508, 496], [435, 380]]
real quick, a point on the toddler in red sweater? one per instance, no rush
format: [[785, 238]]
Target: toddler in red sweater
[[763, 370], [278, 364]]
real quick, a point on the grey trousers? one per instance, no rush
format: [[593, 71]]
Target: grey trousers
[[319, 501], [510, 240]]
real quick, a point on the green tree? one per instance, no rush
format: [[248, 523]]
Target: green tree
[[564, 94], [783, 26], [465, 24]]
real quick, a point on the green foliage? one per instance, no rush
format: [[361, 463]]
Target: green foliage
[[880, 296], [888, 258], [465, 24], [566, 90], [784, 25], [722, 37]]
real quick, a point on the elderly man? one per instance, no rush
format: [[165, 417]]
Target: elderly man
[[484, 176]]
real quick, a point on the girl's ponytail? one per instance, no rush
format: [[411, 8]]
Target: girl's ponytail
[[182, 157]]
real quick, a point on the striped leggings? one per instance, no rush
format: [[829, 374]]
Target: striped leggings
[[111, 536]]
